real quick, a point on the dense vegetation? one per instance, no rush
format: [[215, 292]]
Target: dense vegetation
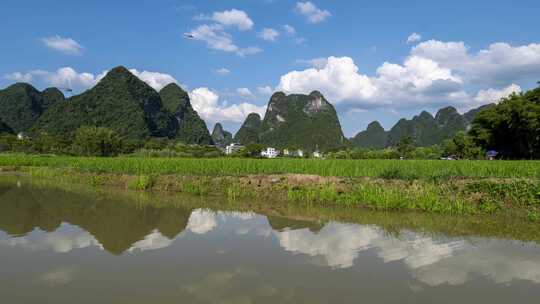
[[308, 121], [4, 128], [374, 137], [512, 127], [405, 169], [250, 129], [189, 127], [221, 137], [21, 105], [120, 102]]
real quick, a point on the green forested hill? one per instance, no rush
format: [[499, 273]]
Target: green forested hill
[[249, 131], [21, 105], [190, 128], [374, 137], [120, 101], [221, 137], [306, 121], [4, 128]]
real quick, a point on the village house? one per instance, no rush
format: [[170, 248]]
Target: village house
[[232, 148], [270, 153]]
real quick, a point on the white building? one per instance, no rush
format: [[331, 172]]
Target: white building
[[269, 153], [293, 153], [317, 154], [232, 148]]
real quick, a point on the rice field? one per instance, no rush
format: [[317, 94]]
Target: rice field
[[389, 169]]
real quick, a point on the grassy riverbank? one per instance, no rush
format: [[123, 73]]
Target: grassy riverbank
[[446, 187]]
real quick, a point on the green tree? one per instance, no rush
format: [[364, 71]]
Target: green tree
[[252, 150], [511, 127], [462, 146], [96, 141], [405, 146]]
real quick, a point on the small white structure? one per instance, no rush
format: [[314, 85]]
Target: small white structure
[[317, 154], [21, 136], [232, 148], [293, 153], [269, 153]]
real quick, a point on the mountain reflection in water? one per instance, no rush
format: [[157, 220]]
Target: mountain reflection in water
[[224, 251]]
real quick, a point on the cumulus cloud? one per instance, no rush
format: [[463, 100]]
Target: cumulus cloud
[[68, 77], [339, 80], [64, 45], [269, 34], [154, 79], [312, 12], [216, 38], [155, 240], [206, 103], [434, 74], [63, 77], [233, 17], [63, 240], [245, 92], [222, 71], [499, 64], [494, 95], [414, 37]]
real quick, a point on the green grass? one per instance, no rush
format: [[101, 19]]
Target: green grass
[[387, 169]]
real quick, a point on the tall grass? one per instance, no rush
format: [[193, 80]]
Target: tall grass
[[388, 169]]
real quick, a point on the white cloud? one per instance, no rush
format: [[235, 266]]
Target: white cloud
[[499, 64], [269, 34], [494, 95], [245, 92], [414, 37], [233, 17], [289, 30], [153, 241], [68, 77], [64, 45], [265, 90], [63, 240], [63, 77], [201, 221], [434, 74], [154, 79], [312, 12], [338, 80], [19, 77], [222, 71], [216, 38], [206, 103]]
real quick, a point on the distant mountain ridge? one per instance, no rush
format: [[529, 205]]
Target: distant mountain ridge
[[424, 129]]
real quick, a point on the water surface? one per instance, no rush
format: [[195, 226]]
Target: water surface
[[69, 246]]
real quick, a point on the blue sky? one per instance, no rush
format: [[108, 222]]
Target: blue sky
[[357, 53]]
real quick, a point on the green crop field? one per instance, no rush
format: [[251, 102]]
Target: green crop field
[[394, 169]]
